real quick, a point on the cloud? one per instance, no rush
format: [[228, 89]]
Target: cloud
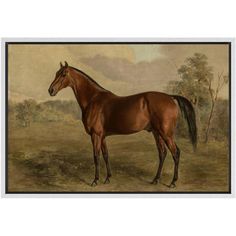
[[147, 52], [107, 50], [217, 54], [156, 71], [123, 69], [32, 68]]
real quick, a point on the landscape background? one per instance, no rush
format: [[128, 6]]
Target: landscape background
[[49, 149]]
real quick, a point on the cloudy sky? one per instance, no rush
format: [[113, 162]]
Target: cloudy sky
[[123, 69]]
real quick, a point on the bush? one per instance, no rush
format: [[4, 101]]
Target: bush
[[28, 111]]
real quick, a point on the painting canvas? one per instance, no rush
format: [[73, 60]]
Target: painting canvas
[[118, 117]]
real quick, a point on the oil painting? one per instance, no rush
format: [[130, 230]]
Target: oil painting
[[118, 117]]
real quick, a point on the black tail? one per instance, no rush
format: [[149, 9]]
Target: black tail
[[188, 112]]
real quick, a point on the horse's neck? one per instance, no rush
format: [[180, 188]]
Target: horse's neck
[[84, 90]]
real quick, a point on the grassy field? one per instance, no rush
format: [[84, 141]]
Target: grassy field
[[58, 157]]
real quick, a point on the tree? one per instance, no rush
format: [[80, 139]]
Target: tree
[[26, 112], [219, 128], [194, 75], [221, 81], [196, 83]]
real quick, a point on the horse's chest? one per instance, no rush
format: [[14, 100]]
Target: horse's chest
[[92, 121]]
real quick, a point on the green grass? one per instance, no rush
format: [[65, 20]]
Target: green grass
[[58, 157]]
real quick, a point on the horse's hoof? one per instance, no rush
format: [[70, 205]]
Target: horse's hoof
[[155, 181], [107, 181], [172, 185], [94, 183]]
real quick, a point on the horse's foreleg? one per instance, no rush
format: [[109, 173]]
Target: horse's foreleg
[[162, 155], [96, 140], [106, 159]]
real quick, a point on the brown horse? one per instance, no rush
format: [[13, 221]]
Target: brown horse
[[104, 114]]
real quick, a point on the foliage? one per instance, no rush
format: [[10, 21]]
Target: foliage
[[220, 122], [196, 84], [195, 75], [28, 111]]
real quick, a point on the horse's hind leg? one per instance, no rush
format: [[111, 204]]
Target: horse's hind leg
[[162, 155], [176, 160], [175, 154], [106, 159]]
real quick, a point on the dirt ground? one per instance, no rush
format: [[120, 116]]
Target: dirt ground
[[57, 157]]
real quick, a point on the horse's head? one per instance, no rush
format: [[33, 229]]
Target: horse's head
[[61, 80]]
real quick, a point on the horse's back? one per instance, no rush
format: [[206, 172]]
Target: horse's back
[[130, 114], [155, 102], [127, 114], [160, 102]]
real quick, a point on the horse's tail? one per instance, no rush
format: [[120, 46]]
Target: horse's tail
[[188, 112]]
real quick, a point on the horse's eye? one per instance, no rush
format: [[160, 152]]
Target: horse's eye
[[64, 75]]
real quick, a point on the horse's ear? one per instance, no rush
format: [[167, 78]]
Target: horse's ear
[[61, 65], [66, 64]]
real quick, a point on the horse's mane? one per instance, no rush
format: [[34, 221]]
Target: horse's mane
[[88, 77]]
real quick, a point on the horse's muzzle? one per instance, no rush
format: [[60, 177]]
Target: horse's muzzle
[[51, 92]]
